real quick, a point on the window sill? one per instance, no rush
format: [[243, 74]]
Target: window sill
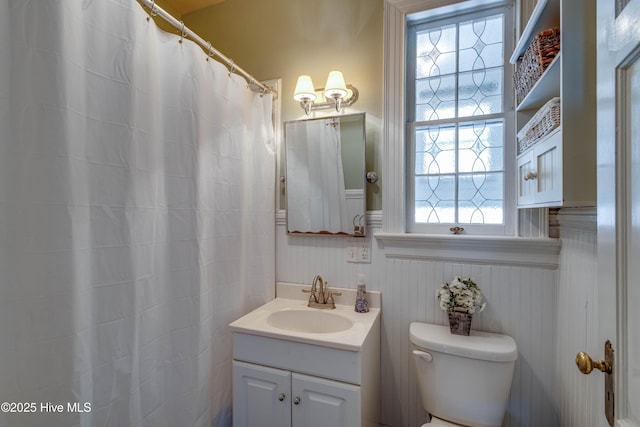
[[495, 250]]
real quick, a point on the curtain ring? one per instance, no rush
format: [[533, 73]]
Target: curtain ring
[[182, 33], [232, 67], [209, 51], [152, 12]]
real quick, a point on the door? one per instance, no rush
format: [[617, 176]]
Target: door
[[618, 28], [319, 402], [261, 396]]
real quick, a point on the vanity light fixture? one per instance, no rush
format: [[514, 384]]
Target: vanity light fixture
[[305, 93], [335, 93]]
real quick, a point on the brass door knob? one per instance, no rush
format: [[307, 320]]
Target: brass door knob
[[586, 364]]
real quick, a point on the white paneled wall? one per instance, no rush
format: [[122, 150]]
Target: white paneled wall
[[521, 303], [577, 319]]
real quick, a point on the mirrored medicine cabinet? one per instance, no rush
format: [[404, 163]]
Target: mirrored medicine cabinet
[[325, 175]]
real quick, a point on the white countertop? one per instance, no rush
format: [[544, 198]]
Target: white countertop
[[290, 297]]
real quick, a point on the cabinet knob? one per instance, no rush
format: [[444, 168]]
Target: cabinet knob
[[281, 397], [530, 175], [296, 401]]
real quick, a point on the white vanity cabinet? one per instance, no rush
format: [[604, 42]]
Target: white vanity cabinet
[[560, 169], [268, 397], [321, 367]]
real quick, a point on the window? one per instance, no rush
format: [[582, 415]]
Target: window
[[460, 124]]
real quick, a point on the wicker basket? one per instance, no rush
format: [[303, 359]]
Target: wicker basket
[[541, 124], [543, 49]]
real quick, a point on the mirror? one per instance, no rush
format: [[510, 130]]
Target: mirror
[[325, 175]]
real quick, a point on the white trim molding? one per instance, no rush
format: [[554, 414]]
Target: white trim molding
[[489, 250], [574, 218], [393, 163], [374, 218]]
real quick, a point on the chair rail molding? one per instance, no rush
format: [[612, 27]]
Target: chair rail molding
[[374, 218]]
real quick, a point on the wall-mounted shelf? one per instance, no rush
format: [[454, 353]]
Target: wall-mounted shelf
[[559, 170], [546, 88], [545, 15]]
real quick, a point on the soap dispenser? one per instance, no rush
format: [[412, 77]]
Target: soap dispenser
[[362, 305]]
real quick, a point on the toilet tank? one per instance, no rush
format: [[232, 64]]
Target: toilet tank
[[463, 379]]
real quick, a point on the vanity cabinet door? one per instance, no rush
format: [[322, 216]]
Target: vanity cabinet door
[[261, 396], [319, 402]]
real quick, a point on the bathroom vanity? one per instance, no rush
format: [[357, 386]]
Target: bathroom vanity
[[300, 366]]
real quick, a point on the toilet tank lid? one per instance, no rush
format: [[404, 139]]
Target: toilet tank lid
[[478, 345]]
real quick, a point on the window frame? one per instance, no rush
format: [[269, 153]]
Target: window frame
[[394, 126], [507, 115]]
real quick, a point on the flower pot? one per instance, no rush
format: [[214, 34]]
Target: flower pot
[[460, 322]]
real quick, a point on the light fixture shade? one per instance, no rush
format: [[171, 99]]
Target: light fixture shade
[[305, 91], [335, 87]]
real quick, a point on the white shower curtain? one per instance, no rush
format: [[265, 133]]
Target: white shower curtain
[[136, 218]]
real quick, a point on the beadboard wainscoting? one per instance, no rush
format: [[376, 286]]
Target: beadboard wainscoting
[[577, 317], [521, 295]]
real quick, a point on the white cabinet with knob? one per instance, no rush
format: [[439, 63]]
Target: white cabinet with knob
[[287, 375], [269, 397], [261, 396], [560, 169], [540, 172]]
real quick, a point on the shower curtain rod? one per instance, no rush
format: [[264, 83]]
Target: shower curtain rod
[[211, 51]]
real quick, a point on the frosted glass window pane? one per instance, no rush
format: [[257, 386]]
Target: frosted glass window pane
[[435, 199], [481, 146], [443, 213], [435, 98], [480, 198], [481, 44], [480, 92], [436, 52], [435, 150], [427, 66], [459, 164]]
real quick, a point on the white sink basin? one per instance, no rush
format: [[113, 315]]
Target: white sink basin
[[287, 317], [315, 322]]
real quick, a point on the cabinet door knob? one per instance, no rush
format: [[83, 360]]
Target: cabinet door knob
[[281, 397], [296, 401], [530, 175]]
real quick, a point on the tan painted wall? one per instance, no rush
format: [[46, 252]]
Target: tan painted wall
[[286, 38]]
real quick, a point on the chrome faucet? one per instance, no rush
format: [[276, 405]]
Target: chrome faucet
[[320, 296]]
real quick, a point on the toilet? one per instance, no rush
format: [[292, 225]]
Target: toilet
[[464, 381]]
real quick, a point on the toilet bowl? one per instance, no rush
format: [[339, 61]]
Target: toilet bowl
[[464, 381]]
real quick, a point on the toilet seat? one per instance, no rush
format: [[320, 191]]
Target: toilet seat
[[437, 422]]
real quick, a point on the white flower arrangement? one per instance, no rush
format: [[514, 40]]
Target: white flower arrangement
[[461, 295]]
